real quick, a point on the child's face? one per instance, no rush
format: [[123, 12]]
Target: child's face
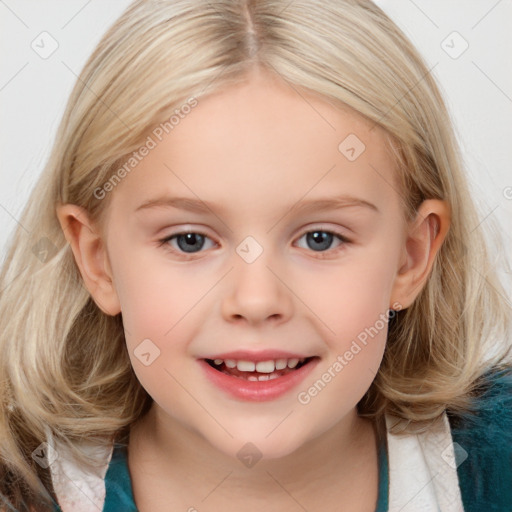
[[253, 153]]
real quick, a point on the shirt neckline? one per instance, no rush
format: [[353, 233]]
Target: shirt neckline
[[119, 491]]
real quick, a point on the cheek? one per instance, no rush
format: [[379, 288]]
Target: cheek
[[353, 305], [352, 301], [159, 317], [153, 293], [162, 303], [353, 295]]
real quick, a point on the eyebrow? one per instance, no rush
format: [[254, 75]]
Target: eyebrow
[[312, 205]]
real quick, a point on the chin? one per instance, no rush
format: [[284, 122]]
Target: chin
[[257, 447]]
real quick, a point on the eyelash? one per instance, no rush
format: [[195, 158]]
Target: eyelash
[[163, 242]]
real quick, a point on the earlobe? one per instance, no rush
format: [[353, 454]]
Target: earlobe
[[90, 256], [425, 237]]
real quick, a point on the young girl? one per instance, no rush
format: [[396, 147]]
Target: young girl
[[254, 279]]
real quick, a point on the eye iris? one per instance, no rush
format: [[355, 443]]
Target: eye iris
[[320, 237], [192, 242]]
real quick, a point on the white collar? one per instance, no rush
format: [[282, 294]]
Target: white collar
[[78, 490], [422, 473], [422, 470]]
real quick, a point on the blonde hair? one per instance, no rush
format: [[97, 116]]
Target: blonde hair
[[64, 363]]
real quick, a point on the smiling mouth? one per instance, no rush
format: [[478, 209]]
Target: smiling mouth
[[253, 375]]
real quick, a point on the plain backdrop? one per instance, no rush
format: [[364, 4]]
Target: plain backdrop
[[467, 42]]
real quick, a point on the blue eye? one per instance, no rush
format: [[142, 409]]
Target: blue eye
[[188, 242], [320, 241]]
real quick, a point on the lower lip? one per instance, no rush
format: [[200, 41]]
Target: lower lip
[[257, 391]]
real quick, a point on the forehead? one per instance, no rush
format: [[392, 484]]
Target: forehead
[[264, 141]]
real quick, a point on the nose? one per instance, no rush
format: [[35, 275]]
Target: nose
[[257, 294]]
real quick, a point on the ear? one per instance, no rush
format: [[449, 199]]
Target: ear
[[424, 237], [90, 255]]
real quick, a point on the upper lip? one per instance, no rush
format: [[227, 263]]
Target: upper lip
[[261, 355]]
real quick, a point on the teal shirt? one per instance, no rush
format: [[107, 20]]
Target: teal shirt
[[484, 451], [118, 487]]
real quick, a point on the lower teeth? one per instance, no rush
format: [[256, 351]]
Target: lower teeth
[[255, 378]]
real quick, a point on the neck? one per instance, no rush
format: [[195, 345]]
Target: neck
[[338, 458]]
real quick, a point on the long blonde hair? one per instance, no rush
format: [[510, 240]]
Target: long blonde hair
[[64, 363]]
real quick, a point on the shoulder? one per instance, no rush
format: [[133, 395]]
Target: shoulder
[[483, 444], [491, 421]]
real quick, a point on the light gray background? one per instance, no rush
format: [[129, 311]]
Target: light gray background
[[477, 86]]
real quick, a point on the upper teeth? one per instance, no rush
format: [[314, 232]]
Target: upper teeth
[[260, 366]]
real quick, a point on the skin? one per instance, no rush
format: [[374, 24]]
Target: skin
[[256, 149]]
